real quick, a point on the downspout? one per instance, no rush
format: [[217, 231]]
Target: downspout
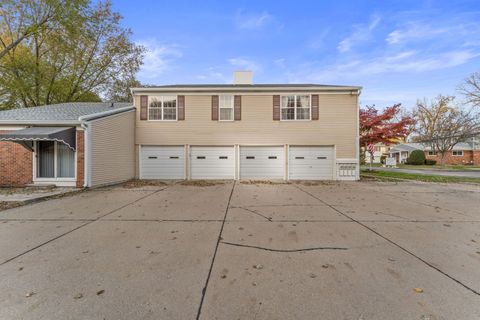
[[86, 154], [357, 145]]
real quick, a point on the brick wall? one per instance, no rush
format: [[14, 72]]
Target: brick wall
[[15, 164], [466, 159], [80, 158], [476, 157]]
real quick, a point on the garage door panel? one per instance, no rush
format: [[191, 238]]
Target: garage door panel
[[162, 162], [212, 162], [262, 162], [311, 163]]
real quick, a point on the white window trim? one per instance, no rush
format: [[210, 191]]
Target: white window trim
[[231, 107], [457, 155], [160, 98], [55, 179], [295, 109], [432, 153]]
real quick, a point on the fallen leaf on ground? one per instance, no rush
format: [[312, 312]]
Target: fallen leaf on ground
[[418, 290], [100, 292]]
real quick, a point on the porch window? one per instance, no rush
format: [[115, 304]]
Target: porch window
[[55, 160]]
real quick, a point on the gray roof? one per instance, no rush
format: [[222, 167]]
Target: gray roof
[[423, 146], [407, 147], [262, 85], [66, 112], [247, 87]]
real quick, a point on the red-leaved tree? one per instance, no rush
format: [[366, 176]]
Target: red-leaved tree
[[385, 127]]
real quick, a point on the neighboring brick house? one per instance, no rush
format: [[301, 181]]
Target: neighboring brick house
[[219, 131], [71, 144], [464, 153]]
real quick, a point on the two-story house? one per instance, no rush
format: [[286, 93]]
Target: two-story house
[[247, 131], [237, 131]]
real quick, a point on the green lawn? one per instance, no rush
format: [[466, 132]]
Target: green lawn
[[387, 175], [451, 167], [421, 167]]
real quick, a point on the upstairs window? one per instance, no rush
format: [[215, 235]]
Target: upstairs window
[[296, 107], [225, 108], [163, 108]]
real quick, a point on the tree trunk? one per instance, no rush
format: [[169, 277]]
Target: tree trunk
[[442, 160]]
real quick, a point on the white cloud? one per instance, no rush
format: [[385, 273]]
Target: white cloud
[[252, 20], [362, 33], [214, 75], [318, 42], [412, 62], [414, 31], [158, 59], [244, 63]]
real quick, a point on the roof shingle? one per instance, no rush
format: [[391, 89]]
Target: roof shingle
[[70, 111]]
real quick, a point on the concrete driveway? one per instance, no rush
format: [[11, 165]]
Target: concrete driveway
[[245, 251]]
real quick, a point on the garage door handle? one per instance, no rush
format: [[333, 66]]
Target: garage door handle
[[200, 157], [173, 157], [272, 157], [250, 157], [323, 158], [223, 157], [152, 158], [299, 157]]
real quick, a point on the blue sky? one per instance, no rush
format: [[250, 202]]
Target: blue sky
[[398, 51]]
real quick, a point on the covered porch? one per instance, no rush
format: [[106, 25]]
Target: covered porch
[[54, 155]]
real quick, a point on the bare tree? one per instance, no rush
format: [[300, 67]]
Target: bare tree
[[471, 89], [441, 124]]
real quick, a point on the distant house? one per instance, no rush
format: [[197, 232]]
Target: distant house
[[380, 150], [464, 153]]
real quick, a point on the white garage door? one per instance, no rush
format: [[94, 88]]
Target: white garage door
[[311, 163], [212, 162], [262, 162], [162, 162]]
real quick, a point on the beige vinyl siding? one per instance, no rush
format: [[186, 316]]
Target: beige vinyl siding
[[336, 125], [112, 149]]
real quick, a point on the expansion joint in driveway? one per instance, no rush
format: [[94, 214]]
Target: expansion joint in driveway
[[204, 290], [79, 227], [425, 204], [393, 243], [282, 250], [256, 213]]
